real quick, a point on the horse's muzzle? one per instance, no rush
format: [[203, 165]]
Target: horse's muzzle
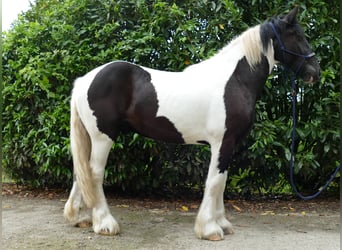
[[311, 74]]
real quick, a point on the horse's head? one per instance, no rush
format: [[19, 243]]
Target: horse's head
[[292, 49]]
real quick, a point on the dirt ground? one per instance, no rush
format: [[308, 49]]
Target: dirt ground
[[32, 220]]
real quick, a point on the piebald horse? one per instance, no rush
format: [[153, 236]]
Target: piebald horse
[[212, 102]]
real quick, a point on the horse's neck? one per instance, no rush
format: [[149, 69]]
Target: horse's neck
[[223, 62], [248, 45]]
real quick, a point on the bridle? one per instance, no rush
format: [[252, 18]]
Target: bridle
[[294, 99], [284, 50]]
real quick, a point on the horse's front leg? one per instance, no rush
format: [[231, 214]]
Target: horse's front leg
[[220, 212], [211, 223]]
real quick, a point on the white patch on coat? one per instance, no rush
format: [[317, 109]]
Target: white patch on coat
[[193, 100]]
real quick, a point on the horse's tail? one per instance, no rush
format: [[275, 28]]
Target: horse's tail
[[81, 150]]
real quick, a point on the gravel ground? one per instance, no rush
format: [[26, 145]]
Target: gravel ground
[[36, 222]]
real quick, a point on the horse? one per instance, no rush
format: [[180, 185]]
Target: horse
[[211, 102]]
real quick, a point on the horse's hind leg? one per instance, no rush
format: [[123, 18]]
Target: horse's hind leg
[[103, 221], [75, 210]]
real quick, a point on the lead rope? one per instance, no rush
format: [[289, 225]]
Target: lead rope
[[294, 100], [309, 197]]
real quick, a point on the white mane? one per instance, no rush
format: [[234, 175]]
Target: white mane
[[252, 46], [247, 44]]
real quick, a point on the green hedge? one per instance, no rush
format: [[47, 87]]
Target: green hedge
[[57, 41]]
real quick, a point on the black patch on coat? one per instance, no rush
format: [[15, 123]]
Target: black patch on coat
[[241, 92], [123, 99]]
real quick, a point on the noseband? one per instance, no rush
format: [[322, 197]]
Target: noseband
[[282, 47]]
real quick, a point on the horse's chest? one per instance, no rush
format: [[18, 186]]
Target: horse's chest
[[240, 106]]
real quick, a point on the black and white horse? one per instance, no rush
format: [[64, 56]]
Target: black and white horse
[[211, 102]]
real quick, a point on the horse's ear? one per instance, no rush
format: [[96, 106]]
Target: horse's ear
[[291, 18]]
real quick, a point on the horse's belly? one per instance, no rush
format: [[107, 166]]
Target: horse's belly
[[195, 117], [173, 123]]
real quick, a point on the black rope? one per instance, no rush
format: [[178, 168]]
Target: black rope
[[294, 100], [293, 185]]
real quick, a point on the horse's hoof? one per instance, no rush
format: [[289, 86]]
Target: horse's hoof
[[107, 233], [108, 226], [84, 224], [225, 225], [228, 231], [215, 237]]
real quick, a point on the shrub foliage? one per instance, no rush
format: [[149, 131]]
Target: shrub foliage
[[57, 41]]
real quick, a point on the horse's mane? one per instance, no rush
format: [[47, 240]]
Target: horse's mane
[[252, 44]]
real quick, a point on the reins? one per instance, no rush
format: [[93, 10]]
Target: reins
[[294, 121], [293, 185]]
